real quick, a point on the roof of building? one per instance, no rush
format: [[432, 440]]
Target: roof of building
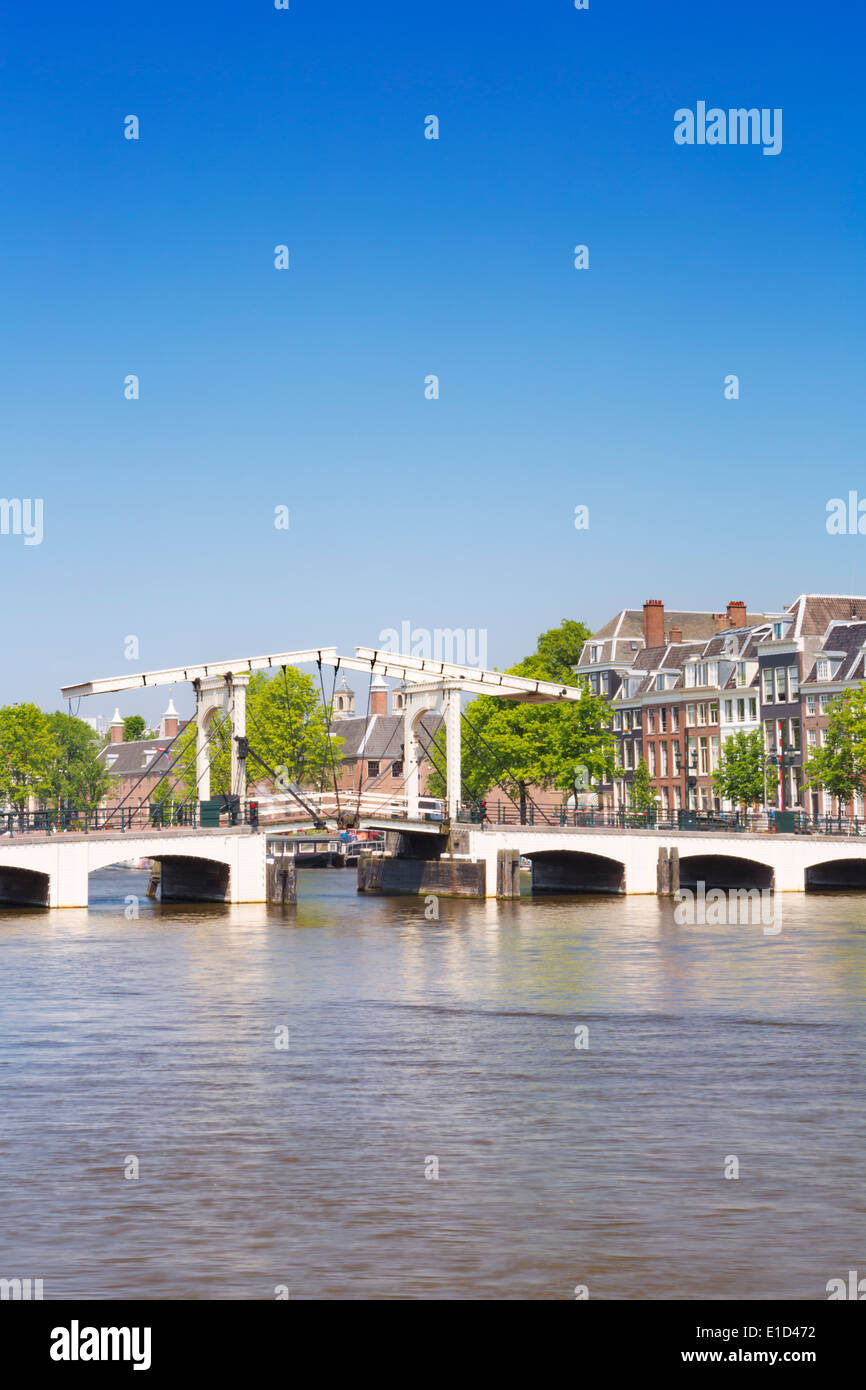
[[380, 736], [849, 639], [624, 634], [137, 756], [814, 612]]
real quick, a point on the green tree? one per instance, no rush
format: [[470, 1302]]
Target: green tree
[[134, 728], [518, 745], [839, 766], [742, 768], [78, 777], [643, 797], [28, 754]]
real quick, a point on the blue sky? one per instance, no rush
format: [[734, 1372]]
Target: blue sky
[[305, 387]]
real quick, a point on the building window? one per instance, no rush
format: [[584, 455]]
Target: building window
[[781, 685], [741, 673], [595, 653], [675, 720], [665, 799], [663, 720], [714, 712], [823, 670], [810, 704], [793, 733], [372, 769], [690, 716], [793, 681], [811, 739], [397, 767], [753, 708], [650, 722], [729, 706], [713, 673], [823, 703], [651, 759], [678, 797], [604, 681], [663, 760], [703, 756], [714, 753], [768, 685]]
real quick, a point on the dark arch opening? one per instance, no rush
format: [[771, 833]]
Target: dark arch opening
[[723, 871], [23, 888], [185, 879], [571, 871], [837, 875]]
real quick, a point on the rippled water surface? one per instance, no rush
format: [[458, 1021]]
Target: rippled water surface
[[413, 1039]]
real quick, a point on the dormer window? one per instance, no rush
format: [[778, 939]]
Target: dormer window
[[823, 670], [595, 653]]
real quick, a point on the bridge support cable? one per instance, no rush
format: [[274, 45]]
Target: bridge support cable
[[224, 744], [501, 785], [505, 768], [364, 741], [294, 790], [137, 784], [328, 708], [428, 753]]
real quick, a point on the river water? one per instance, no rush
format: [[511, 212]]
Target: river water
[[415, 1043]]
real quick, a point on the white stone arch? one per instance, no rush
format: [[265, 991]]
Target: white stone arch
[[440, 698], [220, 695]]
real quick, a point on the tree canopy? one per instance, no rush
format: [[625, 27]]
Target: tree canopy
[[50, 757], [742, 768], [518, 746], [839, 766]]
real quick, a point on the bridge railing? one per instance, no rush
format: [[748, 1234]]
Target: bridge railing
[[719, 822], [145, 816]]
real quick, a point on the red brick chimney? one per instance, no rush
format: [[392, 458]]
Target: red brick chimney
[[170, 722], [736, 613], [654, 622], [378, 696], [720, 621], [676, 634], [115, 729]]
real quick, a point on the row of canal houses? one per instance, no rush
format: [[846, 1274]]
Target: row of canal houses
[[682, 682]]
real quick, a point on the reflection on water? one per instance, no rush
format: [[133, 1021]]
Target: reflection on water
[[409, 1039]]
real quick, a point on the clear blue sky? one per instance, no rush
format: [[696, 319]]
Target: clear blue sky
[[409, 257]]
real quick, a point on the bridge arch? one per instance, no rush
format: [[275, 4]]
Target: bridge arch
[[575, 871], [23, 887], [724, 871], [186, 875], [844, 874]]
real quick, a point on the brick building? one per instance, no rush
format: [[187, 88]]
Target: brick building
[[687, 681]]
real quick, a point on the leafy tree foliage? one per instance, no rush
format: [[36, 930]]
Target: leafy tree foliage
[[643, 797], [28, 754], [839, 766], [78, 778], [134, 728], [517, 746], [742, 766]]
